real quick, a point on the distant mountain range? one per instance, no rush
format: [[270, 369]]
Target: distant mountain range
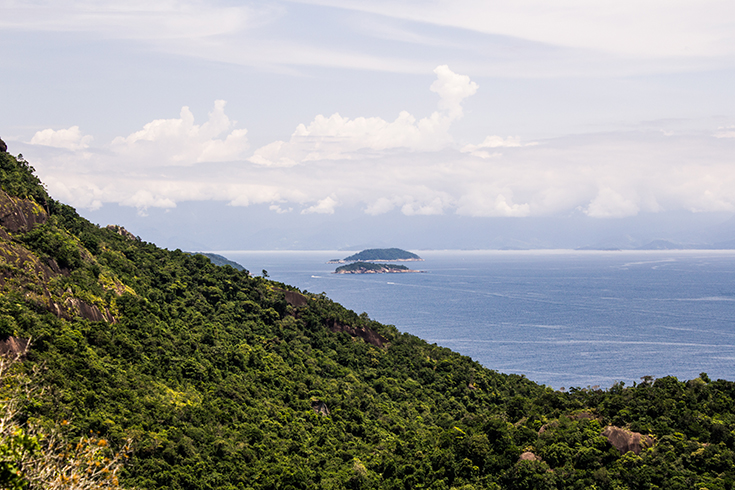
[[668, 245]]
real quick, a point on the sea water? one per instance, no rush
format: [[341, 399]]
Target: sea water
[[561, 318]]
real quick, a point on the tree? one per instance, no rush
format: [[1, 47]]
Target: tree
[[34, 457]]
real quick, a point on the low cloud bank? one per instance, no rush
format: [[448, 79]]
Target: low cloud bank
[[412, 163]]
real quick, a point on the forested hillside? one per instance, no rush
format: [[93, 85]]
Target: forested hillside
[[382, 254], [224, 380]]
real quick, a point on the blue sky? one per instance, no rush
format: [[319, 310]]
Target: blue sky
[[312, 113]]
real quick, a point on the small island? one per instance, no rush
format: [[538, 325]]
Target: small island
[[381, 255], [371, 268]]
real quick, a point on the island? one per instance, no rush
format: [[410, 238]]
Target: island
[[381, 255], [371, 268]]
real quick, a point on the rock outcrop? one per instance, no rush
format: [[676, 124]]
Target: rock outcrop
[[85, 310], [20, 215], [24, 270], [529, 456], [624, 440], [369, 336], [297, 300], [122, 232], [14, 347], [320, 407]]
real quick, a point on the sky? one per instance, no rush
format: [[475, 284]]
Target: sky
[[225, 125]]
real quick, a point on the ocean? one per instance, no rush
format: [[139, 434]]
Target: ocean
[[561, 318]]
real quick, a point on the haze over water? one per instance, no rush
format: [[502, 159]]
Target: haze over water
[[562, 318]]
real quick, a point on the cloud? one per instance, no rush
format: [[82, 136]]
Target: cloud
[[69, 139], [337, 137], [492, 142], [603, 176], [491, 202], [380, 206], [181, 142], [408, 165], [176, 141], [610, 204], [134, 19], [144, 199], [324, 206], [452, 89], [530, 38], [725, 132], [278, 209], [434, 206], [652, 29]]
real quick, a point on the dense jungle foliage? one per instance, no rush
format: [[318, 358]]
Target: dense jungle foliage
[[224, 380]]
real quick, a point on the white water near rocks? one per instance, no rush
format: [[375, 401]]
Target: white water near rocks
[[562, 318]]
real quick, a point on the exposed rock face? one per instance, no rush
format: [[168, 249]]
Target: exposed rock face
[[295, 299], [529, 456], [14, 347], [320, 407], [122, 232], [22, 269], [85, 310], [624, 440], [583, 415], [369, 336], [298, 300], [20, 215]]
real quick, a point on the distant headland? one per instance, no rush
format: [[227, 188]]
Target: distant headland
[[371, 268], [380, 255]]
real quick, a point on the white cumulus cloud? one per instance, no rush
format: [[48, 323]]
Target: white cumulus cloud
[[337, 137], [324, 206], [453, 89], [408, 165], [69, 139], [611, 204], [181, 142]]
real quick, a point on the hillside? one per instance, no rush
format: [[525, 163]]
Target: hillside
[[223, 380], [220, 260], [382, 255]]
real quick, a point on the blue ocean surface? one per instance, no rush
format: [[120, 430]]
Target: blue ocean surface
[[561, 318]]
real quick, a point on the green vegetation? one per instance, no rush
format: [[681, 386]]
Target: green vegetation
[[32, 456], [18, 180], [223, 380], [369, 268], [220, 260], [383, 254]]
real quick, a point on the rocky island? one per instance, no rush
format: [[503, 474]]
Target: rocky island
[[381, 255], [371, 268]]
